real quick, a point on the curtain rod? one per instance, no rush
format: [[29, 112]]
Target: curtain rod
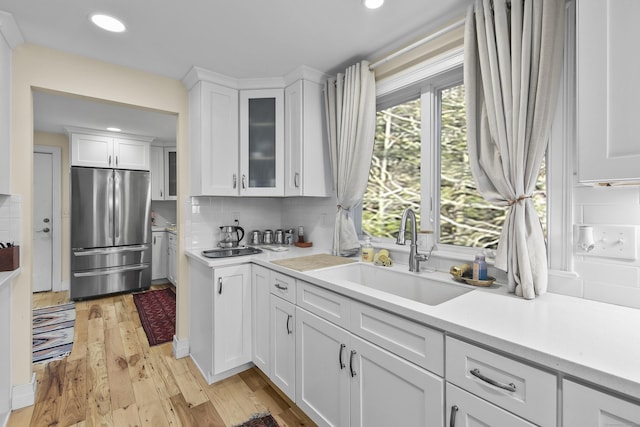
[[417, 44]]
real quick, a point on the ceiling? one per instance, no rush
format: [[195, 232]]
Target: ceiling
[[236, 38]]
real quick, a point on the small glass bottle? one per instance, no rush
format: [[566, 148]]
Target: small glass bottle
[[479, 268], [367, 250], [300, 234]]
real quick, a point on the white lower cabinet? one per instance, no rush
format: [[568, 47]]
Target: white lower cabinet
[[524, 390], [220, 319], [260, 301], [466, 410], [172, 258], [587, 407], [342, 380], [158, 255], [283, 346]]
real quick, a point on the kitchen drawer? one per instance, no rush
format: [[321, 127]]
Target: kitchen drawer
[[468, 410], [283, 286], [586, 407], [517, 387], [410, 340], [321, 302], [171, 238]]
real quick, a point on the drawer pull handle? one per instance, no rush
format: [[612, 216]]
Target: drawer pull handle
[[353, 373], [452, 417], [289, 331], [509, 387], [282, 288], [342, 365], [220, 286]]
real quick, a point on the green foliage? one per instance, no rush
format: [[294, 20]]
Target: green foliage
[[466, 219]]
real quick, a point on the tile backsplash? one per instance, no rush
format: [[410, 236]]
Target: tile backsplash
[[206, 214]]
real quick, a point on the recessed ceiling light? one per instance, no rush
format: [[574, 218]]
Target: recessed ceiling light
[[108, 23], [372, 4], [112, 129]]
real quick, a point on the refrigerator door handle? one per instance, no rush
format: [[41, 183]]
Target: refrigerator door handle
[[110, 201], [111, 271], [117, 209], [110, 251]]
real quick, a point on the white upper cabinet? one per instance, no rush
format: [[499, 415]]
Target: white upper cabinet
[[163, 173], [608, 90], [307, 167], [157, 173], [107, 152], [261, 142], [213, 112]]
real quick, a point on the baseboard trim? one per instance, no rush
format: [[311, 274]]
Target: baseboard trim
[[24, 394], [180, 348]]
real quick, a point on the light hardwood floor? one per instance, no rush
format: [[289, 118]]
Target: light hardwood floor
[[113, 378]]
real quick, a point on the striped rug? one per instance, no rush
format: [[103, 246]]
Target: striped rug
[[53, 332]]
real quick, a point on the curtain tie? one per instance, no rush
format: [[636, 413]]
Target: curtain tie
[[518, 200]]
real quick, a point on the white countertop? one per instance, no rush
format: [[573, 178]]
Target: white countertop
[[594, 341]]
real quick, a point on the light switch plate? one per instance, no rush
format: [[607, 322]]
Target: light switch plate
[[611, 241]]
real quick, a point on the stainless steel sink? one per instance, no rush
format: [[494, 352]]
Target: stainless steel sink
[[412, 286], [230, 252]]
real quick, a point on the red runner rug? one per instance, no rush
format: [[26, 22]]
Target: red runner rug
[[157, 310]]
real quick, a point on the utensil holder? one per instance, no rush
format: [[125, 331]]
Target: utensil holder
[[9, 258]]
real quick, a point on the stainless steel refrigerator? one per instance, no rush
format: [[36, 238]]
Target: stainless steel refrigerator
[[110, 231]]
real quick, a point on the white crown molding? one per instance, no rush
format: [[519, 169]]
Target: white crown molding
[[197, 74], [305, 73], [10, 30], [73, 129]]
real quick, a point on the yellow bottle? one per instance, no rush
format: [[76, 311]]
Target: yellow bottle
[[367, 250]]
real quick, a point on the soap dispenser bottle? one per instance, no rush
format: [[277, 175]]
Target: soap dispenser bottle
[[479, 268], [367, 250]]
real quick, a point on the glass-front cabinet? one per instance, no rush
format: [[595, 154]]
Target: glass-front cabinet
[[262, 142]]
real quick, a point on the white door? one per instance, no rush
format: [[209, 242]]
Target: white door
[[42, 222]]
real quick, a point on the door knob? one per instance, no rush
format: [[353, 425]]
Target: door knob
[[45, 220], [45, 230]]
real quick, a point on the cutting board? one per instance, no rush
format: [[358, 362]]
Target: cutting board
[[313, 262]]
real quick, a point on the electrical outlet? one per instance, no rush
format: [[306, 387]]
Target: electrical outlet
[[610, 241]]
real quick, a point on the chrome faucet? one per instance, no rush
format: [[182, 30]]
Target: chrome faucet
[[414, 256]]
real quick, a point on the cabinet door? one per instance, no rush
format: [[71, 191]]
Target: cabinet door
[[157, 173], [170, 173], [232, 317], [92, 151], [159, 256], [322, 379], [307, 167], [171, 258], [608, 90], [466, 410], [213, 113], [283, 351], [129, 154], [262, 142], [381, 380], [586, 407], [260, 334]]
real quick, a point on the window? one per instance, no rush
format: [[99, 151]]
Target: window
[[420, 160]]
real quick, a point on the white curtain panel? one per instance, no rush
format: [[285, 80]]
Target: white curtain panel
[[350, 103], [513, 65]]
